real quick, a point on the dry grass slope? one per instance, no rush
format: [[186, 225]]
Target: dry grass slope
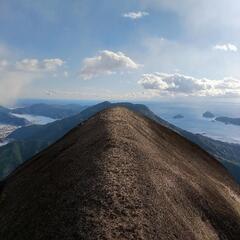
[[120, 176]]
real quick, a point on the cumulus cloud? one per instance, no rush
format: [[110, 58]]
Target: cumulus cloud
[[107, 62], [226, 47], [135, 15], [35, 65], [177, 84]]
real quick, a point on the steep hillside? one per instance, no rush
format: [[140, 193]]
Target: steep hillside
[[120, 175]]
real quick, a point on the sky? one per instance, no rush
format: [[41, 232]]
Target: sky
[[120, 50]]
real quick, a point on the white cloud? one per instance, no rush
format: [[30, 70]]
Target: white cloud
[[52, 64], [181, 85], [135, 15], [29, 65], [107, 62], [226, 47], [35, 65]]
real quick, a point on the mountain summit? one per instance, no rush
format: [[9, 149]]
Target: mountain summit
[[120, 175]]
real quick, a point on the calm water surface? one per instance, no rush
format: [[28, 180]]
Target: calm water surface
[[194, 122]]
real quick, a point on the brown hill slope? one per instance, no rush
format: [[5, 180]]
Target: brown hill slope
[[120, 176]]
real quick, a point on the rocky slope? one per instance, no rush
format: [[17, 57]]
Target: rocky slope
[[120, 176]]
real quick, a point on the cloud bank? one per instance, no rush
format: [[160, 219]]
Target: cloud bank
[[107, 62], [135, 15], [180, 85]]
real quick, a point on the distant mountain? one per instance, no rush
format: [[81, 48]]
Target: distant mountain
[[8, 119], [208, 115], [228, 120], [178, 116], [51, 111], [32, 139], [120, 175]]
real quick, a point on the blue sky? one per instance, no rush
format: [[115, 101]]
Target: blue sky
[[138, 49]]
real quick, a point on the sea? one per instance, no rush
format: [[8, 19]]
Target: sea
[[194, 122]]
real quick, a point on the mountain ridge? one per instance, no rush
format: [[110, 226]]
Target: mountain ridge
[[120, 175], [30, 140]]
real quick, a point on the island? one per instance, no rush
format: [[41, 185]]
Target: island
[[178, 116], [228, 120], [208, 114]]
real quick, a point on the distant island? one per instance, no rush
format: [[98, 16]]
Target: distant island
[[208, 114], [178, 116], [228, 120]]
